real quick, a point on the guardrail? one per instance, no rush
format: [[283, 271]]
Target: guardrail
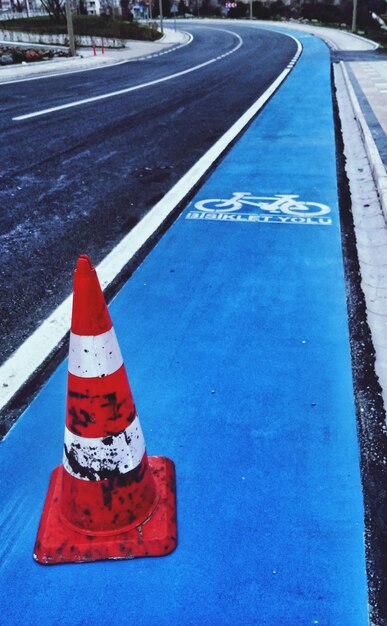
[[14, 37]]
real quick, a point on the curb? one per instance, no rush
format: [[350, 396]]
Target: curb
[[377, 167], [366, 40], [332, 37]]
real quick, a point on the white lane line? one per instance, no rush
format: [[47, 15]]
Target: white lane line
[[31, 355], [100, 67], [120, 92], [55, 74]]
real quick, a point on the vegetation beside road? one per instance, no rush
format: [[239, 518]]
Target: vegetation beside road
[[92, 25], [313, 12]]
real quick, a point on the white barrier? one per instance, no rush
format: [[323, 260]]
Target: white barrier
[[59, 40]]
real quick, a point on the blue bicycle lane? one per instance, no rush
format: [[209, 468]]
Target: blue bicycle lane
[[235, 337]]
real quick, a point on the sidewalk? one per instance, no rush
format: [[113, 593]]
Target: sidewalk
[[86, 60], [369, 80]]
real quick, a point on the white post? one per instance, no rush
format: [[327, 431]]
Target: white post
[[161, 17], [354, 16]]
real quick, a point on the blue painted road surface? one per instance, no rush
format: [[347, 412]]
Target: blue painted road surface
[[234, 334]]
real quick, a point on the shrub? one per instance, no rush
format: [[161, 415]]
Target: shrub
[[93, 25]]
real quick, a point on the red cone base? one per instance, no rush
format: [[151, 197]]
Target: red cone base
[[59, 543]]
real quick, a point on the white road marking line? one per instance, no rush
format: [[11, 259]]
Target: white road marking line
[[88, 69], [121, 92], [30, 356]]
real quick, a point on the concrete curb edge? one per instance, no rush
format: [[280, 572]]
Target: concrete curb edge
[[377, 167]]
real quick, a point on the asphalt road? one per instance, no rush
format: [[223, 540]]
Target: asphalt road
[[77, 180]]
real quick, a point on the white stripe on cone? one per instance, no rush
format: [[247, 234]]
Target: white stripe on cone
[[99, 458], [94, 356]]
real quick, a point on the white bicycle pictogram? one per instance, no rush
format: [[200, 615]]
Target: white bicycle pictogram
[[279, 203]]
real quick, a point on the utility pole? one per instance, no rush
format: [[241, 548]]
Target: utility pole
[[70, 29], [161, 17], [354, 16], [251, 9]]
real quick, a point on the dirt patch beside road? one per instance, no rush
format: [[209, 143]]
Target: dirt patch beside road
[[11, 55]]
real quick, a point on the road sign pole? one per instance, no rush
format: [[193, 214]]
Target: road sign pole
[[174, 10], [354, 16]]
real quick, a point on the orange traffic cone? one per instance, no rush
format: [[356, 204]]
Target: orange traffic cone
[[108, 500]]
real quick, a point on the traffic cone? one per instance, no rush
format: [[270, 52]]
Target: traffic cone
[[107, 500]]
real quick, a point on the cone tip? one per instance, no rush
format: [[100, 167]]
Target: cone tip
[[84, 264]]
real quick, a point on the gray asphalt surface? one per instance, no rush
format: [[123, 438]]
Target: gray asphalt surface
[[77, 180]]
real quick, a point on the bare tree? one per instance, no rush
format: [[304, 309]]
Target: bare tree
[[18, 5], [55, 9], [106, 7]]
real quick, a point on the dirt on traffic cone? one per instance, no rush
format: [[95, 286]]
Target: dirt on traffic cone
[[107, 500]]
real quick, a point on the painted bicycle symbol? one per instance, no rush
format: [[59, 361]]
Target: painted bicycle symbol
[[279, 203]]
